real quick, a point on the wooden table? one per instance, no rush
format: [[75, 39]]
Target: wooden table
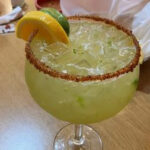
[[25, 126]]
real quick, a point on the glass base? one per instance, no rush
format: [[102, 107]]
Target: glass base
[[64, 139]]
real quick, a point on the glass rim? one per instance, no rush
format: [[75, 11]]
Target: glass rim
[[42, 67]]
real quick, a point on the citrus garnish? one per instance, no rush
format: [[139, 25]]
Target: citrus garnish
[[48, 28], [59, 17]]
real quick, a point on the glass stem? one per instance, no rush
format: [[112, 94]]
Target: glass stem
[[79, 134]]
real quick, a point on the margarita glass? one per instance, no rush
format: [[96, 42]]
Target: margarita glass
[[87, 81]]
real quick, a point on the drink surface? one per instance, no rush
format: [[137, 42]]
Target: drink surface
[[95, 48]]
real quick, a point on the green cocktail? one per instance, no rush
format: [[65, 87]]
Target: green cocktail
[[89, 80]]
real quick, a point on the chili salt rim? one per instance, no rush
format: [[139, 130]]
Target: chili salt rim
[[77, 78]]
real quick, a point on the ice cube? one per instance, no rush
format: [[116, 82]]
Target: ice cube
[[84, 63]]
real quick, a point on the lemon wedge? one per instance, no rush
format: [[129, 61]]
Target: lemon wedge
[[47, 27]]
